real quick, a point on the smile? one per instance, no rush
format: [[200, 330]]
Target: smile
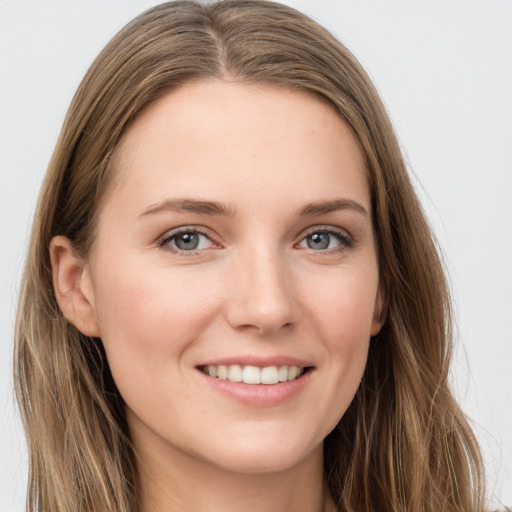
[[249, 374]]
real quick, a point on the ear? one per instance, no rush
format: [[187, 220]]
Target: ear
[[378, 312], [73, 286]]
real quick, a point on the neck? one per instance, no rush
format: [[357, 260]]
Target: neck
[[176, 481]]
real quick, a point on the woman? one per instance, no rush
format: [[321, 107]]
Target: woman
[[232, 298]]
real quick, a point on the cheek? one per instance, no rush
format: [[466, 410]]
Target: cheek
[[342, 308], [147, 317], [343, 305], [148, 320]]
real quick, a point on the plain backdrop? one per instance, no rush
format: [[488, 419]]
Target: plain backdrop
[[444, 69]]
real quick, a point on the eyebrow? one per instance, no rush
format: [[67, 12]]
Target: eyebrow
[[322, 207], [190, 205], [215, 208]]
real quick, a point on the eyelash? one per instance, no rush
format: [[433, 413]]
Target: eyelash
[[346, 240], [164, 242]]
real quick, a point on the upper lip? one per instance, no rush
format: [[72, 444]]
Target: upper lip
[[261, 362]]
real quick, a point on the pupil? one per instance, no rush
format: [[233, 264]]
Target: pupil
[[187, 241], [318, 241]]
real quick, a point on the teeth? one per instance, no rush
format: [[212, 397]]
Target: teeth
[[282, 373], [269, 375], [235, 373], [293, 372], [253, 374], [222, 372]]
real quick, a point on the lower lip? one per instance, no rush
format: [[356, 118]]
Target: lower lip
[[259, 395]]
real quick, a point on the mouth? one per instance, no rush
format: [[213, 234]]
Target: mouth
[[250, 374]]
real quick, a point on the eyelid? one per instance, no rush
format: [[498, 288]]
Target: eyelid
[[164, 240], [346, 239]]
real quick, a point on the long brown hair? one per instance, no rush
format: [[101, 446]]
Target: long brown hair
[[404, 444]]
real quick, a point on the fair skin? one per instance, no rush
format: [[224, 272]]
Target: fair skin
[[275, 267]]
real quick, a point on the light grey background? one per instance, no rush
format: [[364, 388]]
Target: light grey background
[[444, 69]]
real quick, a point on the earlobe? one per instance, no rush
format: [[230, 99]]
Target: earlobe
[[378, 313], [73, 286]]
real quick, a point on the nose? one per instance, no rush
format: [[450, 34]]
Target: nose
[[262, 294]]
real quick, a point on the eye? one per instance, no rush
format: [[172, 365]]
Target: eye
[[326, 239], [187, 240]]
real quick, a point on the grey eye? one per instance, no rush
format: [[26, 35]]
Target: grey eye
[[326, 239], [187, 241], [319, 240]]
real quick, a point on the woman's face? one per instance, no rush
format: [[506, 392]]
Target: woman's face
[[236, 243]]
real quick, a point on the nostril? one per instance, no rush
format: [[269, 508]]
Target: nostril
[[261, 300]]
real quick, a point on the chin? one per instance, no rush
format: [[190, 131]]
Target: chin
[[263, 454]]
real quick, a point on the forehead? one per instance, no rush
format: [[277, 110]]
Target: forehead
[[212, 137]]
